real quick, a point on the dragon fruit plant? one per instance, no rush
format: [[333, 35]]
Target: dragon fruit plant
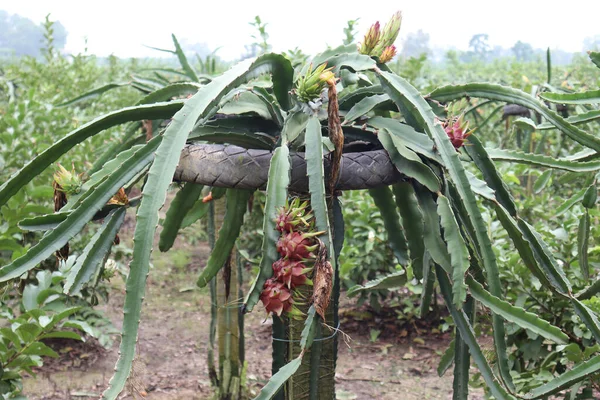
[[429, 176]]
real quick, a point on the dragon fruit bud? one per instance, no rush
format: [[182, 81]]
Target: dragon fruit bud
[[68, 181], [290, 272], [310, 86], [387, 55], [276, 297], [292, 216], [297, 245], [371, 39], [287, 221], [388, 34], [457, 130]]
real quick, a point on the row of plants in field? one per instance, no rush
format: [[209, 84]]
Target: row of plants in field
[[39, 308], [41, 102], [428, 225]]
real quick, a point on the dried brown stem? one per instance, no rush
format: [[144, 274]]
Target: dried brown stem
[[336, 135]]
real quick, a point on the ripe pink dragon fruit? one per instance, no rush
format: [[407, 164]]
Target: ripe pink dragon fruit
[[276, 297], [290, 272], [297, 245]]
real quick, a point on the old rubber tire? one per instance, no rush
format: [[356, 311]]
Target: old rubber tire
[[237, 167]]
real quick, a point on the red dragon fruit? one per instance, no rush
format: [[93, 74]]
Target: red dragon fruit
[[297, 245], [455, 125], [457, 130], [292, 217], [290, 272], [277, 266], [276, 297]]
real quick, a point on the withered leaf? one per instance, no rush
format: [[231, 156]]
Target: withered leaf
[[119, 199], [322, 282]]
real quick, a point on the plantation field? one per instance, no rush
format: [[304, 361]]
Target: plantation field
[[174, 336]]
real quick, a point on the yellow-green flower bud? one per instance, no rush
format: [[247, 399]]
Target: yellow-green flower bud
[[387, 55], [389, 34], [310, 86], [371, 39], [68, 181]]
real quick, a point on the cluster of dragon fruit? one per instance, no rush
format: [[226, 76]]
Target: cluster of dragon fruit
[[298, 247]]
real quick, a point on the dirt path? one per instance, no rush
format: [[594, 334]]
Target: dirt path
[[173, 346]]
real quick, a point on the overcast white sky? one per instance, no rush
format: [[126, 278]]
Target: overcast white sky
[[122, 27]]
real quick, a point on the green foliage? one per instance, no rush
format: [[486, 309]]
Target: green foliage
[[22, 346], [30, 123], [237, 202], [41, 313], [536, 193], [182, 205], [366, 254]]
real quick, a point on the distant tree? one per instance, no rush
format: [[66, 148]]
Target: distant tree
[[561, 57], [479, 45], [499, 52], [416, 44], [22, 37], [591, 43], [523, 51], [453, 57]]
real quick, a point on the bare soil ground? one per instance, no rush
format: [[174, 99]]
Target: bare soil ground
[[173, 342]]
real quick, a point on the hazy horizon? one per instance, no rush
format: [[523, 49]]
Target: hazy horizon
[[123, 28]]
